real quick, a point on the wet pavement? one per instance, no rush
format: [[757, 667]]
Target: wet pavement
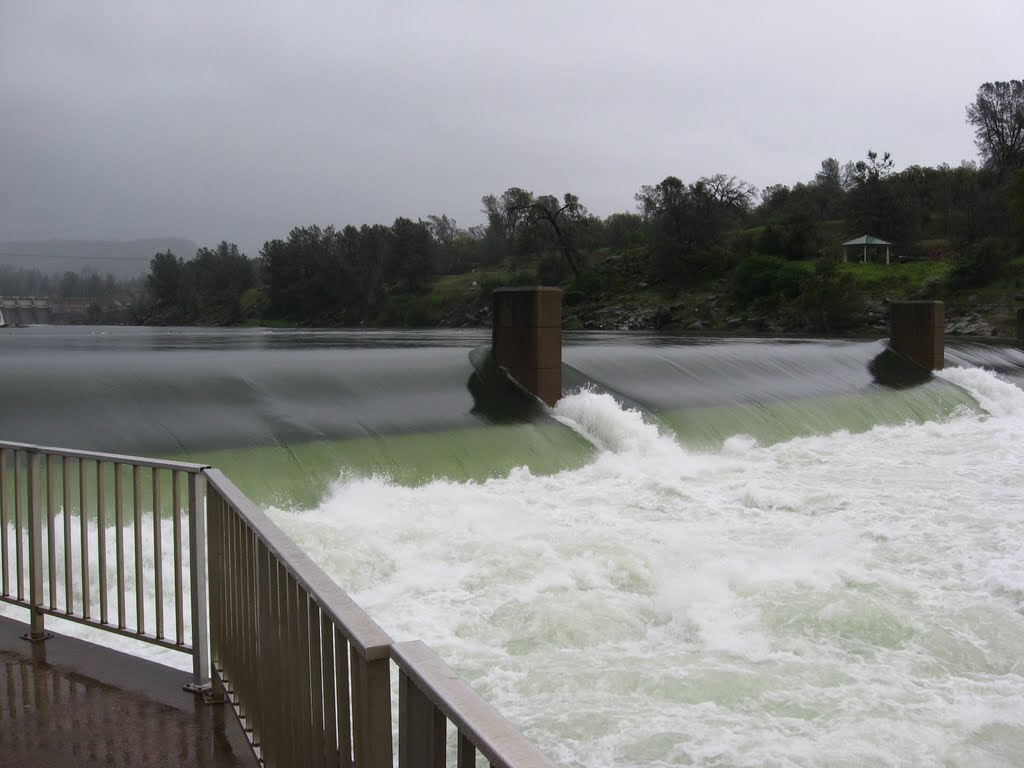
[[67, 702]]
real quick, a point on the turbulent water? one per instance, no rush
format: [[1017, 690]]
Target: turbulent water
[[849, 599], [841, 583]]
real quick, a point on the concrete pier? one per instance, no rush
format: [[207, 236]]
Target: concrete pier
[[527, 338], [917, 330]]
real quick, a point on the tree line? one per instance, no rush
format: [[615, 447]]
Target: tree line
[[681, 233], [87, 284]]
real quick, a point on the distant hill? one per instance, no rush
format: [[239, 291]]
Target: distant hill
[[124, 259]]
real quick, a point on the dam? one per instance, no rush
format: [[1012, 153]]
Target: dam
[[24, 310], [709, 552]]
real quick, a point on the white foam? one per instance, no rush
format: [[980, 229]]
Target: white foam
[[844, 599], [600, 419], [849, 599], [998, 397]]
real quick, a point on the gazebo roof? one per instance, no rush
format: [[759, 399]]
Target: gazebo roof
[[867, 240]]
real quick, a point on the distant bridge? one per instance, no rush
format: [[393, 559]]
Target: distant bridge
[[24, 310], [39, 310]]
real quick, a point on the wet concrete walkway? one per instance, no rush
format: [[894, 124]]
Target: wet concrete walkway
[[67, 702]]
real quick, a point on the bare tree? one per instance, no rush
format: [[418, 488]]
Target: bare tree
[[997, 115], [731, 192], [565, 221]]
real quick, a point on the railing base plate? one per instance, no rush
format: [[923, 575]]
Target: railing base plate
[[37, 638], [205, 691]]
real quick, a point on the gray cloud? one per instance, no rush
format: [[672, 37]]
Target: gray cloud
[[239, 120]]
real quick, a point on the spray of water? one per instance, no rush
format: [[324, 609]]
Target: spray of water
[[842, 599]]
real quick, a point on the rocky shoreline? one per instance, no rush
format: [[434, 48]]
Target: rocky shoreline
[[711, 314]]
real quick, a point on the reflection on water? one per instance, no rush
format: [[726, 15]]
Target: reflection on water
[[53, 338]]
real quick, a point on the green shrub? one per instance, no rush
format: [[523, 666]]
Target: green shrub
[[253, 300], [522, 279], [488, 285], [552, 270], [755, 278], [420, 313], [829, 300], [588, 282], [392, 312], [789, 280], [982, 264]]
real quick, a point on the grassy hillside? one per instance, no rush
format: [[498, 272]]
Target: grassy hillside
[[615, 291]]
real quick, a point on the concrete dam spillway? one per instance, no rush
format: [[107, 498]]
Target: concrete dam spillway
[[24, 310], [710, 552]]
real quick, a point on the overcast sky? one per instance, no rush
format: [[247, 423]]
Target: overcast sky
[[239, 120]]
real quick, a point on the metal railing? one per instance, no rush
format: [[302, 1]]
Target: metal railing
[[97, 570], [305, 669], [431, 693]]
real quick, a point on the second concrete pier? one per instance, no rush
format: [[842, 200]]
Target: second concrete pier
[[917, 330], [527, 338]]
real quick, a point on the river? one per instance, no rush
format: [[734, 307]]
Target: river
[[714, 552]]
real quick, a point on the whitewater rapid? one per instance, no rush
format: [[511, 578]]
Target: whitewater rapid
[[843, 599]]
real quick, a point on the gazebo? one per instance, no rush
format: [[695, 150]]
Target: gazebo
[[864, 241]]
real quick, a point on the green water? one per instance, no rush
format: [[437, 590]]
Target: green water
[[772, 422], [286, 414], [842, 587], [302, 473]]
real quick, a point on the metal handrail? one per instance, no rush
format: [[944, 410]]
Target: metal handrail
[[360, 630], [35, 479], [306, 670], [140, 461]]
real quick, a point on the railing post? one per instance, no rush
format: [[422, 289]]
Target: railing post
[[371, 711], [197, 562], [421, 728], [37, 632]]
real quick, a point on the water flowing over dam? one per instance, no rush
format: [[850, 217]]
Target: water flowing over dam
[[717, 552]]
